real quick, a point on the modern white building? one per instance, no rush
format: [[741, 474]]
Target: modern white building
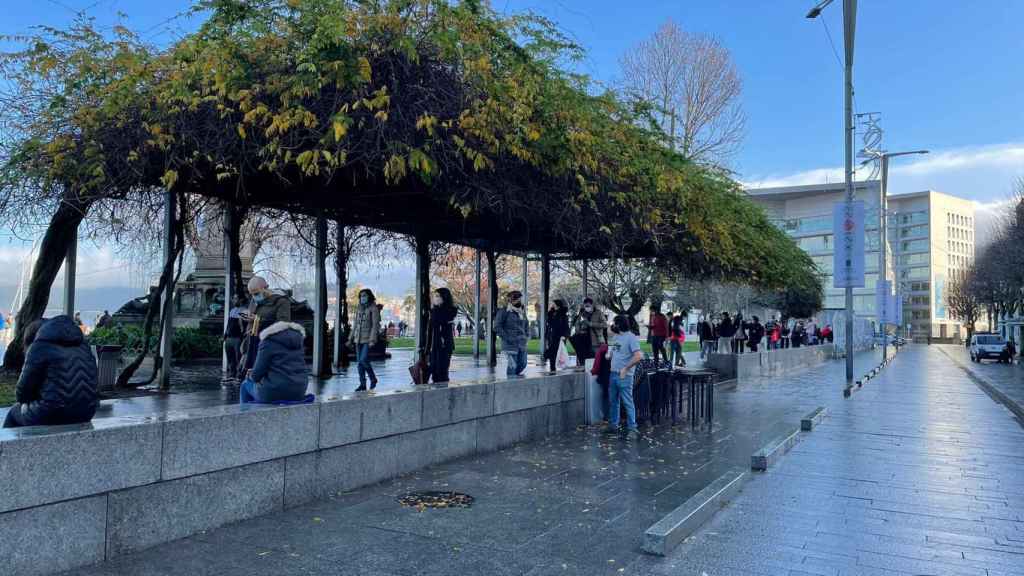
[[931, 238]]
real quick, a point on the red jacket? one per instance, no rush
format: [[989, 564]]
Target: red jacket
[[659, 325], [598, 358]]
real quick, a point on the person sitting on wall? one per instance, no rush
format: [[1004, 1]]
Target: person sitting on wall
[[280, 373], [58, 381], [265, 309]]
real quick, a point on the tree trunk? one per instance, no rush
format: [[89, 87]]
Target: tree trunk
[[166, 276], [59, 236]]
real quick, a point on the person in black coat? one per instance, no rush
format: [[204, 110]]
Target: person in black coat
[[58, 380], [556, 328], [441, 337], [280, 373]]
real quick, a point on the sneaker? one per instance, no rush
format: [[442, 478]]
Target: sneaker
[[610, 430], [633, 435], [362, 388]]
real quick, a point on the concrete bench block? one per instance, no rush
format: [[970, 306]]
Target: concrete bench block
[[229, 436], [145, 516], [434, 446], [443, 406], [349, 467], [348, 421], [392, 414], [300, 482], [579, 385], [537, 420], [53, 538], [341, 422], [813, 419], [560, 388], [501, 431], [515, 395], [40, 466], [774, 450], [661, 538]]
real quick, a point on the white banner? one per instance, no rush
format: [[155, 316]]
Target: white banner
[[848, 257]]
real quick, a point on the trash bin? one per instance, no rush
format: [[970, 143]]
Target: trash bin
[[108, 364]]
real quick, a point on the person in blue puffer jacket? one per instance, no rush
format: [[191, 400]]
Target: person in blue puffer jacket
[[280, 373]]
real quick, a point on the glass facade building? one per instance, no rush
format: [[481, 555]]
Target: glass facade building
[[930, 241]]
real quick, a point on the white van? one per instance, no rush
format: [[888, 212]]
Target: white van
[[988, 346]]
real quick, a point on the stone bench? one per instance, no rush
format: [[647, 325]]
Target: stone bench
[[76, 495], [751, 365]]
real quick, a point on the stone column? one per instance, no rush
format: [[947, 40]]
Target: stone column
[[70, 266], [476, 311], [422, 292], [229, 280], [545, 290], [492, 309], [320, 307], [340, 315]]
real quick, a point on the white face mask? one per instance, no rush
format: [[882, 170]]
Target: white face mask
[[435, 300]]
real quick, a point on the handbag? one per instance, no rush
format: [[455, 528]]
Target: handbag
[[418, 371], [562, 356]]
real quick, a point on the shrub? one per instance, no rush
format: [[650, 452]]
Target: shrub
[[187, 342]]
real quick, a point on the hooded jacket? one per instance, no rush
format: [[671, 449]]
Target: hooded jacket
[[280, 371], [58, 380]]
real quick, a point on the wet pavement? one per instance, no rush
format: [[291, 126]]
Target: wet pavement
[[921, 472], [574, 504], [1007, 379]]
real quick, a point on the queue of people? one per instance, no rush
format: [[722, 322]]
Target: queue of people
[[734, 335]]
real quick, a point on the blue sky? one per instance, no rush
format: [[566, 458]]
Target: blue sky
[[945, 74]]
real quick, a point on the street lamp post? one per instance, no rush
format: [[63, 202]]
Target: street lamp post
[[849, 26], [883, 204]]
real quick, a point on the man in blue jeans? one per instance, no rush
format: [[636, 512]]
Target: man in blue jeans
[[511, 325], [624, 353]]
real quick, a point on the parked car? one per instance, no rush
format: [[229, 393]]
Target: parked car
[[990, 346]]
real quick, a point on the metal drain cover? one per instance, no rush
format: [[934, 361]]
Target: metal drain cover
[[436, 499]]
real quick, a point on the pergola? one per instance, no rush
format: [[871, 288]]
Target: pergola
[[442, 121]]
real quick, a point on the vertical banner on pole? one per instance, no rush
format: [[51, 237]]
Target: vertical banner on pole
[[848, 255], [883, 301]]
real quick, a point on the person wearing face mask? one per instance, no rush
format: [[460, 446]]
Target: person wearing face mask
[[624, 353], [440, 341], [556, 326], [511, 325], [591, 331], [365, 331], [265, 309]]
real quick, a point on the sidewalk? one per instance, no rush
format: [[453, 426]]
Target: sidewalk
[[920, 472], [1003, 381], [571, 505]]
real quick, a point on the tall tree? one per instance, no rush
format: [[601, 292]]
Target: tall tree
[[962, 299], [692, 81]]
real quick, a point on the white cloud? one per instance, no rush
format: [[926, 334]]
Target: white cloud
[[96, 268], [981, 173]]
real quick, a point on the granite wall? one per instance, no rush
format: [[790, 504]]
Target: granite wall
[[76, 495], [767, 362]]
